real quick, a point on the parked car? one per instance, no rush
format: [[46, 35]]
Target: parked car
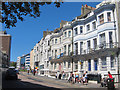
[[17, 71], [11, 73]]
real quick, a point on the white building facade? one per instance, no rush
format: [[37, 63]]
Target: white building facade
[[96, 41], [27, 60], [89, 43]]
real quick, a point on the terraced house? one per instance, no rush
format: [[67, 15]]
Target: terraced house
[[90, 43]]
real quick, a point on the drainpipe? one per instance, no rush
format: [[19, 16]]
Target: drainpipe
[[118, 66], [117, 7], [72, 49], [114, 27]]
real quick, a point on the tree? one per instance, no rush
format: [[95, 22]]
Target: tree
[[13, 64], [12, 11]]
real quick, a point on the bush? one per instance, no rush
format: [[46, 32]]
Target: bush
[[23, 70]]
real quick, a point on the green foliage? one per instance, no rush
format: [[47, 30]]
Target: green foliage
[[13, 11], [13, 64], [23, 70]]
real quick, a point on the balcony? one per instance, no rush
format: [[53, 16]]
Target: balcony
[[99, 47], [57, 57], [100, 50]]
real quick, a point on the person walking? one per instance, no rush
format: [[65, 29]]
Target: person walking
[[34, 72], [72, 78], [63, 74], [86, 73], [56, 75], [28, 70], [83, 80]]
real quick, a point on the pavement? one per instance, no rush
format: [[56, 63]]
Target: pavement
[[29, 82], [61, 82]]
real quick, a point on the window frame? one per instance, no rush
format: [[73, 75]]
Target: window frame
[[109, 17], [88, 27], [81, 29], [94, 25], [101, 19], [76, 31]]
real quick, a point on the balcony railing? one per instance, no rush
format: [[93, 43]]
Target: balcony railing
[[98, 47], [57, 56]]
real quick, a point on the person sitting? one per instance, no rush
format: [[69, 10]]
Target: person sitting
[[103, 82], [83, 80], [76, 78], [109, 75]]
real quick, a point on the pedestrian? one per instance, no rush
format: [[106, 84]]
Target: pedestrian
[[86, 73], [34, 72], [76, 77], [63, 75], [83, 79], [28, 70], [72, 78], [109, 75], [56, 75]]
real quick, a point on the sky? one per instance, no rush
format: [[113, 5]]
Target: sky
[[27, 33]]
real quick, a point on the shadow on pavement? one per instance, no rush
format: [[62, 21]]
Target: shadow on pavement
[[18, 84]]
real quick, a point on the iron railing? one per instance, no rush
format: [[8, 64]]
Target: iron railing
[[98, 47]]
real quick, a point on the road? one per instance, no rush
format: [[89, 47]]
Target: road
[[30, 81]]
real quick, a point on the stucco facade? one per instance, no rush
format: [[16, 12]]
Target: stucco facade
[[90, 43]]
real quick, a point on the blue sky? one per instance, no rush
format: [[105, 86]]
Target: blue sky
[[27, 33]]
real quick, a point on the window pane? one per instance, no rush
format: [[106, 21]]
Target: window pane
[[55, 40], [109, 16], [69, 33], [94, 25], [65, 34], [88, 27], [81, 29], [76, 32], [101, 19]]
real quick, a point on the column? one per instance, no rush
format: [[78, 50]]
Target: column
[[53, 67], [73, 66], [66, 49], [49, 66], [107, 39], [108, 63], [92, 46], [79, 68], [92, 65], [98, 40], [66, 65], [86, 66], [57, 66], [114, 39], [78, 47], [105, 16], [99, 64]]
